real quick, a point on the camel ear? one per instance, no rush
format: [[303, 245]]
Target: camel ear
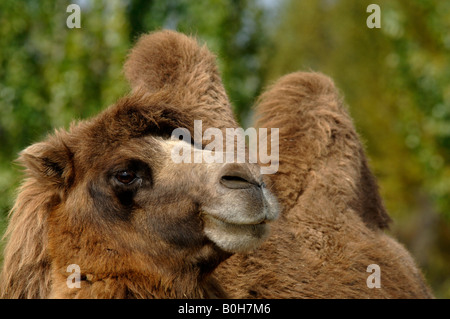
[[50, 162]]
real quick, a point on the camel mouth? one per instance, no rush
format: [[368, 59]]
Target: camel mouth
[[241, 221], [237, 223], [235, 237]]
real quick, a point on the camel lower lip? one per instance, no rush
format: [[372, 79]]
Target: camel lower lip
[[235, 237], [232, 223]]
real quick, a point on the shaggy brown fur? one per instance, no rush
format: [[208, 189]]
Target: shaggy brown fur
[[172, 65], [161, 234], [330, 230]]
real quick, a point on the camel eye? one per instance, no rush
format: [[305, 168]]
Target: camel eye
[[126, 177]]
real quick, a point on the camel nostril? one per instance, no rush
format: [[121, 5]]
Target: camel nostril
[[235, 182], [235, 176]]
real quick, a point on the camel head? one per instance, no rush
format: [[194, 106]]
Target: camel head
[[107, 196]]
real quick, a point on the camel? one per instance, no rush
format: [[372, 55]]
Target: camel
[[330, 239], [105, 197]]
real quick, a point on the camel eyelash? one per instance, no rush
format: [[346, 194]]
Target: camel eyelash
[[130, 174], [126, 177], [126, 180]]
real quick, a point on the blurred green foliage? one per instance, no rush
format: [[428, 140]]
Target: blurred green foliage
[[396, 81]]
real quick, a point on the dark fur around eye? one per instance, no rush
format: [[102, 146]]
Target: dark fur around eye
[[114, 197], [131, 173]]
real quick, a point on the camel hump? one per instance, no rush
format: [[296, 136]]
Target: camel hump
[[182, 71], [308, 84], [168, 59], [296, 94], [318, 141]]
